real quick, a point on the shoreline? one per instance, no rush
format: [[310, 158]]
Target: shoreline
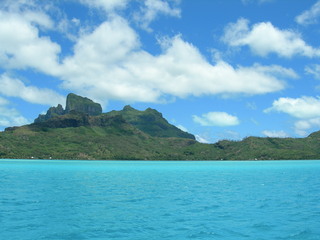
[[141, 160]]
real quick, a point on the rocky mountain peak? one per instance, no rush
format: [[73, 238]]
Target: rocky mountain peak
[[74, 103], [82, 104]]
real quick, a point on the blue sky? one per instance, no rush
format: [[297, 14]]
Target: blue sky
[[215, 68]]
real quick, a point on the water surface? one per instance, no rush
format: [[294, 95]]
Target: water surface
[[159, 200]]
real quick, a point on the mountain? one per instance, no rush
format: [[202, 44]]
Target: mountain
[[151, 122], [82, 111], [82, 131], [74, 103]]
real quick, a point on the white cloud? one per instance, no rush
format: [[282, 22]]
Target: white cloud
[[304, 107], [313, 70], [275, 134], [23, 47], [307, 109], [31, 11], [309, 16], [302, 126], [221, 119], [109, 63], [13, 87], [117, 68], [285, 43], [153, 8], [38, 18]]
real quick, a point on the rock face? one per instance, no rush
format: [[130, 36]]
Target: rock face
[[82, 104], [52, 112], [74, 104]]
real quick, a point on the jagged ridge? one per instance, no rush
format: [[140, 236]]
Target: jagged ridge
[[74, 103], [82, 111]]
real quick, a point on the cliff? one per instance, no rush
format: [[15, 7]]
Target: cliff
[[82, 104], [74, 104]]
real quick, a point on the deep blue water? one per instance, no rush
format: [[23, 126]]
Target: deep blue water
[[159, 200]]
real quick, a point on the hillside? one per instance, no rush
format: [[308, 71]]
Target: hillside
[[151, 122], [82, 131]]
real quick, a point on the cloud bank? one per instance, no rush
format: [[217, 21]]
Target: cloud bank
[[117, 68]]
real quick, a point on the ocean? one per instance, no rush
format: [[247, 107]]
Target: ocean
[[259, 200]]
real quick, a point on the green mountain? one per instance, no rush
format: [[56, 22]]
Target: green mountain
[[151, 122], [82, 131]]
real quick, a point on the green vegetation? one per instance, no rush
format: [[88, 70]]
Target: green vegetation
[[131, 134], [151, 122]]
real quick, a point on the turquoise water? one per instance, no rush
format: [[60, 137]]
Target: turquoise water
[[159, 200]]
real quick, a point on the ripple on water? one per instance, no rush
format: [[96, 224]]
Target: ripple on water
[[212, 200]]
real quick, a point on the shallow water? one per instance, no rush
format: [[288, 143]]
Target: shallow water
[[159, 200]]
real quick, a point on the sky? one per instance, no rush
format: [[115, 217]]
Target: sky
[[219, 69]]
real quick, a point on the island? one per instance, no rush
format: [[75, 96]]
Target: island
[[82, 131]]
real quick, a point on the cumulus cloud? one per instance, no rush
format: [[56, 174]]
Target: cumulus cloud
[[284, 43], [220, 119], [275, 134], [310, 16], [23, 47], [117, 68], [13, 87], [304, 107], [108, 63]]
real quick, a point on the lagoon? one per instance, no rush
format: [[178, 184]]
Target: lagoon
[[50, 199]]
